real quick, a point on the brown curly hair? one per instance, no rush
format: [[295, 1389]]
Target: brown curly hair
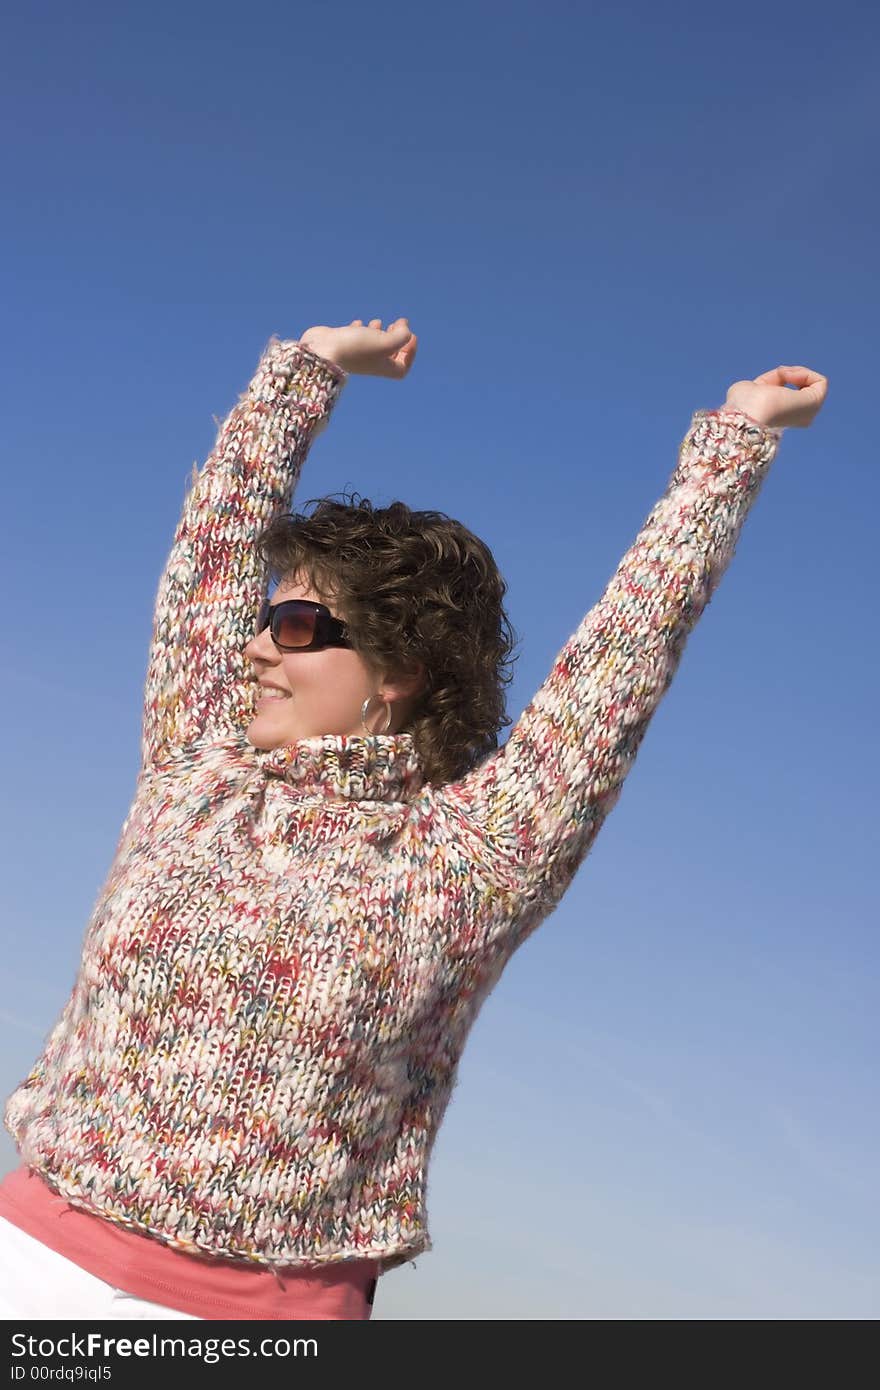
[[411, 586]]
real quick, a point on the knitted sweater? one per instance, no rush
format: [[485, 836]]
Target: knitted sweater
[[282, 968]]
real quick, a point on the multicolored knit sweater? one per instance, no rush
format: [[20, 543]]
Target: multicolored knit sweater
[[292, 945]]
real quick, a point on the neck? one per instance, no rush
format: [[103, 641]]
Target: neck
[[359, 767]]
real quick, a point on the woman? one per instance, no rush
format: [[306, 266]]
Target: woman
[[313, 894]]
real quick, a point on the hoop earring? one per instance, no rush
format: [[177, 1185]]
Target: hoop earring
[[364, 714]]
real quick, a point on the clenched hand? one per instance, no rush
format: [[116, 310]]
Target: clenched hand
[[369, 350], [769, 401]]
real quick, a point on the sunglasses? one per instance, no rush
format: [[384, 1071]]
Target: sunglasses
[[300, 626]]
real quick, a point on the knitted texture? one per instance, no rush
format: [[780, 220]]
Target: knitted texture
[[292, 945]]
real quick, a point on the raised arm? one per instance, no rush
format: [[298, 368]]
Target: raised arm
[[539, 801], [198, 679]]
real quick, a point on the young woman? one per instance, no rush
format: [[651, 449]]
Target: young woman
[[315, 890]]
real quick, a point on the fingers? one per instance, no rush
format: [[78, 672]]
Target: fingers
[[812, 386], [808, 385], [778, 376], [377, 323], [799, 377], [392, 327], [390, 353]]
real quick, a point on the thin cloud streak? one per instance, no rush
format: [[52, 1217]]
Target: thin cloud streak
[[21, 1024]]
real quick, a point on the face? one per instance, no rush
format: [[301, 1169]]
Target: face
[[321, 692]]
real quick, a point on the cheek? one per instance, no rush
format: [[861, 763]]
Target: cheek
[[325, 676]]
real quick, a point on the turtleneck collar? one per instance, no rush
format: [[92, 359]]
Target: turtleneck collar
[[359, 767]]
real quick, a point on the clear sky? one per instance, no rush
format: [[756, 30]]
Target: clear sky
[[596, 217]]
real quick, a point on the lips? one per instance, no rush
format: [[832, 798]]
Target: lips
[[272, 692]]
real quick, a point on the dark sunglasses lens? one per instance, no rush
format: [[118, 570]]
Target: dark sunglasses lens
[[295, 627]]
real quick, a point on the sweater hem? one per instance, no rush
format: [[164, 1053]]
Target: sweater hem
[[385, 1256]]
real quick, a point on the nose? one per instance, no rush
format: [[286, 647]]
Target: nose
[[260, 646]]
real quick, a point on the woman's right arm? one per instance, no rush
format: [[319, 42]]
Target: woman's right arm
[[199, 683]]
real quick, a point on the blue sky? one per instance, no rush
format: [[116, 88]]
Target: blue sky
[[596, 218]]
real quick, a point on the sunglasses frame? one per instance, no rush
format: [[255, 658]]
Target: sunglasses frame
[[329, 631]]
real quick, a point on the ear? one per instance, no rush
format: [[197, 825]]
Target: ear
[[406, 681]]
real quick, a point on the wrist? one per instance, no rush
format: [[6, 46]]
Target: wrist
[[320, 346], [731, 405]]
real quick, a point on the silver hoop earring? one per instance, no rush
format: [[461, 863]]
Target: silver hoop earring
[[364, 708]]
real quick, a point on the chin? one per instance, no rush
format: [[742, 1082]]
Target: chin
[[265, 738]]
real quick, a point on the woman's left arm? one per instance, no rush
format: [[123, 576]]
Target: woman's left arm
[[198, 682], [532, 810]]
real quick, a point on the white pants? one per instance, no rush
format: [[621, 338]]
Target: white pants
[[36, 1282]]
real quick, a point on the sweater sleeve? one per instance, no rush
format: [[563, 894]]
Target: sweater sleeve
[[199, 683], [535, 805]]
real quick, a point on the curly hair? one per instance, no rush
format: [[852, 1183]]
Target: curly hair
[[411, 586]]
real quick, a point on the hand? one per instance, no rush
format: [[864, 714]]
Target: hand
[[366, 351], [769, 401]]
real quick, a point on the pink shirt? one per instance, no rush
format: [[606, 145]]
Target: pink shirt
[[209, 1288]]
